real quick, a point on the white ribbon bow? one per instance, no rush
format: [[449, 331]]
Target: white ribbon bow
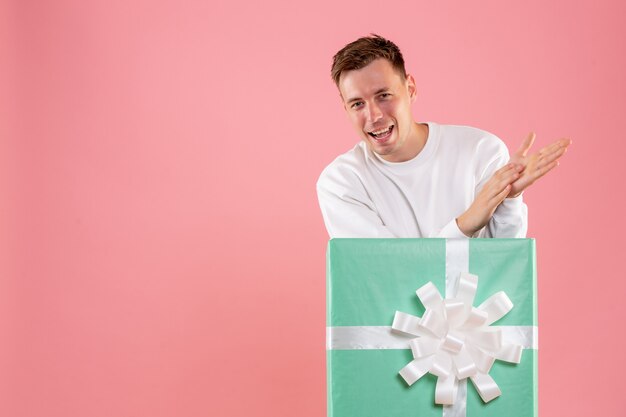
[[454, 340]]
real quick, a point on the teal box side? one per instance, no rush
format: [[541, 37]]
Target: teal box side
[[362, 288], [507, 265]]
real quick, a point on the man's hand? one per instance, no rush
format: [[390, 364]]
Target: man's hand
[[536, 165], [492, 194]]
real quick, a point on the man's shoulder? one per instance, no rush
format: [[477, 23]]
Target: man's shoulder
[[345, 165], [468, 134], [471, 138]]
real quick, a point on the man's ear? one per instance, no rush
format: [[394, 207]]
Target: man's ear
[[412, 89]]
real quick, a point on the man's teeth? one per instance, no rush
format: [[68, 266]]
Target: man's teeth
[[381, 132]]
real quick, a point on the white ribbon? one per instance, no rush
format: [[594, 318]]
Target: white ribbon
[[381, 337]]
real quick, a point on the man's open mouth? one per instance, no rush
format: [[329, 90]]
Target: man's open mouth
[[381, 134]]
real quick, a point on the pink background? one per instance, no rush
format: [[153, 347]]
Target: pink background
[[161, 248]]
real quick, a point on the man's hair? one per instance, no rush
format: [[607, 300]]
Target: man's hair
[[362, 52]]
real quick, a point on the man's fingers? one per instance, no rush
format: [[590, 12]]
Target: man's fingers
[[526, 144], [545, 169], [539, 164], [499, 198], [502, 178], [510, 177], [544, 160], [539, 171], [559, 144], [565, 142], [506, 169]]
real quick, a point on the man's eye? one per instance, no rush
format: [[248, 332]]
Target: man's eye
[[357, 104], [385, 95]]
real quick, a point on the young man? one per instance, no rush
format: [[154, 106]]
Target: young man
[[408, 179]]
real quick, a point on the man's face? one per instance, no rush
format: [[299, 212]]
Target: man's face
[[378, 102]]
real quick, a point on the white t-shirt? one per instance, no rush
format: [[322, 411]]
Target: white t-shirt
[[362, 195]]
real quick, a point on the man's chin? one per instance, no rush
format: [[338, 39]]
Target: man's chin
[[378, 149]]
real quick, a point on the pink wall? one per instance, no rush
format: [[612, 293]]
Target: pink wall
[[161, 249]]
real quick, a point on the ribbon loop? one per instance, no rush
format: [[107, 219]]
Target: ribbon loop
[[466, 291], [446, 389], [476, 318], [483, 360], [424, 346], [488, 338], [486, 387], [416, 369], [406, 323], [510, 353], [434, 322], [496, 307], [456, 312], [430, 297], [453, 342], [464, 364], [442, 365]]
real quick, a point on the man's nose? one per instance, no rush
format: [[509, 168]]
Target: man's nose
[[374, 113]]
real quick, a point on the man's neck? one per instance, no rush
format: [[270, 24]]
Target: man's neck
[[414, 145]]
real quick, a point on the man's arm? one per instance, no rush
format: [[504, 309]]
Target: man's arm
[[491, 195], [510, 218], [347, 209]]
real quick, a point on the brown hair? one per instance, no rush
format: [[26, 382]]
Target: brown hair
[[362, 52]]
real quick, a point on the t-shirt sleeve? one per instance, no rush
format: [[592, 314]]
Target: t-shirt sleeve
[[346, 207], [449, 231]]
